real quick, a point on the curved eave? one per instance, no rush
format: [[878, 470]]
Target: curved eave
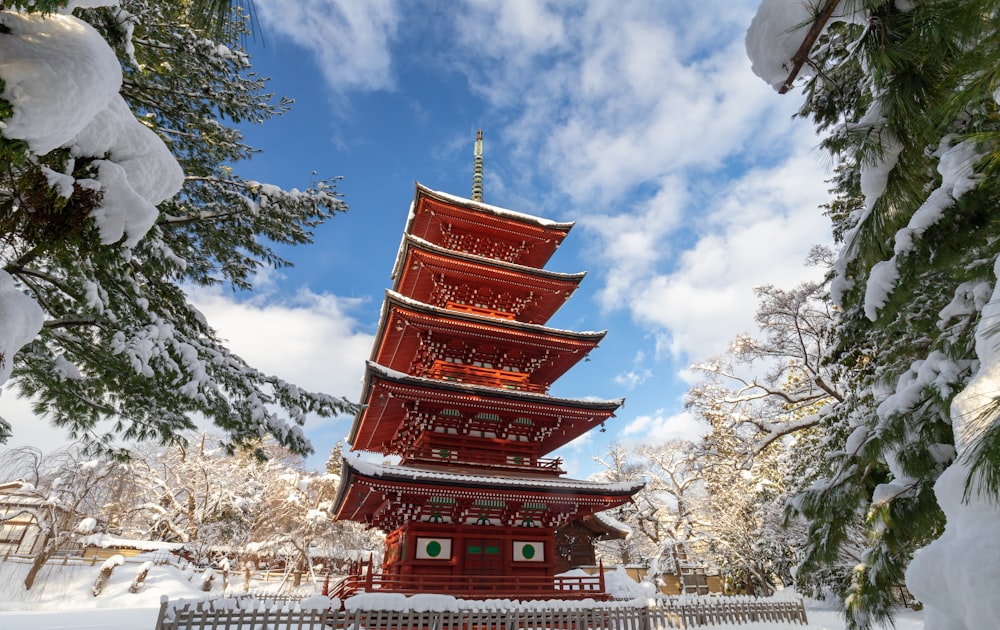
[[375, 370], [544, 236], [369, 432], [497, 211], [397, 341], [415, 242], [355, 474], [394, 299], [542, 292]]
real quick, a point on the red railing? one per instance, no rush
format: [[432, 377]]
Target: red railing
[[478, 310], [476, 375], [475, 586], [485, 457]]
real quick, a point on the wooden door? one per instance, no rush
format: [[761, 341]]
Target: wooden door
[[482, 556]]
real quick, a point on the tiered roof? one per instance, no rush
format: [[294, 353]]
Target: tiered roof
[[389, 496], [540, 423], [483, 230], [459, 281], [424, 340]]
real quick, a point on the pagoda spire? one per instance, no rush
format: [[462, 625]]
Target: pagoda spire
[[477, 170]]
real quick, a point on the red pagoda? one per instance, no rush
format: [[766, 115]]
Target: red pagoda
[[457, 389]]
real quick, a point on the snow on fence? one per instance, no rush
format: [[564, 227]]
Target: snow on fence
[[252, 614]]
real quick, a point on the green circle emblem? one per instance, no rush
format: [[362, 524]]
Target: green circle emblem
[[433, 549], [528, 551]]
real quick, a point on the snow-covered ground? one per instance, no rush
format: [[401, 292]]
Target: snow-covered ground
[[62, 599]]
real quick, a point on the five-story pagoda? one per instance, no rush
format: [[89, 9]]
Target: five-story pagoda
[[457, 388]]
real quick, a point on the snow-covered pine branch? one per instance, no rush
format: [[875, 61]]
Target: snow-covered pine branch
[[99, 284]]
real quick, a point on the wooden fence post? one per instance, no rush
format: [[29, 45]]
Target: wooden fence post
[[161, 613], [371, 570]]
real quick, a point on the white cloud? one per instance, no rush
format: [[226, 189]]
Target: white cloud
[[348, 40], [659, 428], [758, 231], [686, 168], [633, 378], [637, 375], [311, 340]]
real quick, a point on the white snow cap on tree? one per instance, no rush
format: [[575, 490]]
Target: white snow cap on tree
[[87, 526], [777, 31], [62, 80], [59, 73], [20, 321], [956, 575]]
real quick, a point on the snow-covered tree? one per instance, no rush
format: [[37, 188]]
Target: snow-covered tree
[[620, 464], [766, 401], [906, 95], [93, 231], [296, 521], [665, 516], [743, 510], [673, 495], [196, 493], [775, 384], [72, 490]]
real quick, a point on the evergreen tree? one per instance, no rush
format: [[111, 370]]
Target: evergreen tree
[[906, 93], [334, 463], [121, 342]]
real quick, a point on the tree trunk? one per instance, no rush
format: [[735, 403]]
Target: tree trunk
[[48, 548]]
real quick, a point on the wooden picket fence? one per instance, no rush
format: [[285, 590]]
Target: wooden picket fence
[[252, 614]]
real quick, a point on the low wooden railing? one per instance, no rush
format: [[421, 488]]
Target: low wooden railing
[[237, 614]]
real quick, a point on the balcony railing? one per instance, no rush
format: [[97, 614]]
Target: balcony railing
[[479, 310], [491, 458], [476, 586], [477, 375]]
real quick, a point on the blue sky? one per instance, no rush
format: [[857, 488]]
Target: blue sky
[[688, 179]]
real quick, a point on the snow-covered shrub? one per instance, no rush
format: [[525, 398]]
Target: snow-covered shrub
[[102, 578], [140, 578], [207, 579]]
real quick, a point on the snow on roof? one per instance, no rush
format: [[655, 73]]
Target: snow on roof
[[410, 239], [490, 391], [612, 523], [105, 541], [415, 473], [493, 321], [494, 210]]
